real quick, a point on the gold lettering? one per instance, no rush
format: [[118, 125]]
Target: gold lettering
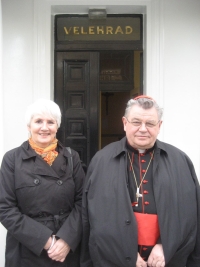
[[118, 30], [109, 30], [82, 31], [100, 30], [129, 29], [76, 30], [91, 29], [67, 31]]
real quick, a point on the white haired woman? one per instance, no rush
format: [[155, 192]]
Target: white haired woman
[[40, 195]]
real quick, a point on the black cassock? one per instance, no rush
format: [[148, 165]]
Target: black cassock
[[141, 176]]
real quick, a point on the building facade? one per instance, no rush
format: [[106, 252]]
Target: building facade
[[166, 66]]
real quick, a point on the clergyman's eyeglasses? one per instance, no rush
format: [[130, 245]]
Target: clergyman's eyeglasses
[[148, 124]]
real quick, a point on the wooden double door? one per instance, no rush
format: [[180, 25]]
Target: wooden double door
[[90, 92], [76, 92]]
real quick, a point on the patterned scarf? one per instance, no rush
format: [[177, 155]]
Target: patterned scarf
[[49, 153]]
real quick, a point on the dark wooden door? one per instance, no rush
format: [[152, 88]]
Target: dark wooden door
[[76, 92]]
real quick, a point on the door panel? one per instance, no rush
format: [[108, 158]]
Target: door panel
[[76, 92]]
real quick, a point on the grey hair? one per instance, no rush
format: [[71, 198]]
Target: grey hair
[[145, 103], [43, 107]]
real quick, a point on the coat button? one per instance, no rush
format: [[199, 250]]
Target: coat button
[[61, 212], [146, 203], [59, 182], [40, 214], [36, 181], [127, 222], [145, 192], [128, 258]]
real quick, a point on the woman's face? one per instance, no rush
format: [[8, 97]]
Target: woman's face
[[43, 130]]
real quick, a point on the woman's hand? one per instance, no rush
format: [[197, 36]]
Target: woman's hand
[[140, 262], [59, 251]]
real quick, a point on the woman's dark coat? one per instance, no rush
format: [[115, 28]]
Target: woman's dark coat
[[36, 201], [109, 225]]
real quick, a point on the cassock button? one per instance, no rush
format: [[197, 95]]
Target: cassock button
[[143, 171], [145, 182], [145, 192], [146, 203], [143, 161], [134, 204], [144, 248], [128, 258], [128, 222]]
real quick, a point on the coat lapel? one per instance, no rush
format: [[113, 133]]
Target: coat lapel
[[40, 167], [58, 168], [60, 165]]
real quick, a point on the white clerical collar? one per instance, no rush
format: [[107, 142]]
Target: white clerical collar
[[141, 150]]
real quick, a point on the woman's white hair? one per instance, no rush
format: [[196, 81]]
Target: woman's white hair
[[43, 107]]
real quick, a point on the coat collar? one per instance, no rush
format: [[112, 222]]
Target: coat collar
[[28, 152], [57, 170], [121, 148]]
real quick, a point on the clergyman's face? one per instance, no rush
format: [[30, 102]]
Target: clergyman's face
[[43, 130], [143, 136]]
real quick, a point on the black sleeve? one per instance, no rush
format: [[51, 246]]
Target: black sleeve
[[71, 230], [85, 254], [194, 258]]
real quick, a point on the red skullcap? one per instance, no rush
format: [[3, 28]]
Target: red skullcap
[[144, 96]]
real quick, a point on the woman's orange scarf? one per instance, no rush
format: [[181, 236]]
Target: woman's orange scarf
[[49, 153]]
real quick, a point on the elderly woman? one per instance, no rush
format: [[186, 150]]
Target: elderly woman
[[40, 195]]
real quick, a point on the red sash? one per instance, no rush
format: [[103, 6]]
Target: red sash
[[148, 228]]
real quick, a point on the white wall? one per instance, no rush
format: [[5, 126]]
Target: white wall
[[2, 231], [18, 62], [181, 76], [1, 89], [172, 64]]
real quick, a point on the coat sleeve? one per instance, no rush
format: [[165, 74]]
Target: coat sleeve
[[27, 231], [85, 254], [71, 230], [194, 258]]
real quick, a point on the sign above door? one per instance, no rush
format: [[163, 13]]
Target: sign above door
[[113, 28]]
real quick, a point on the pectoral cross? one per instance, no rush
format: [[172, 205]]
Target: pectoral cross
[[138, 195]]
